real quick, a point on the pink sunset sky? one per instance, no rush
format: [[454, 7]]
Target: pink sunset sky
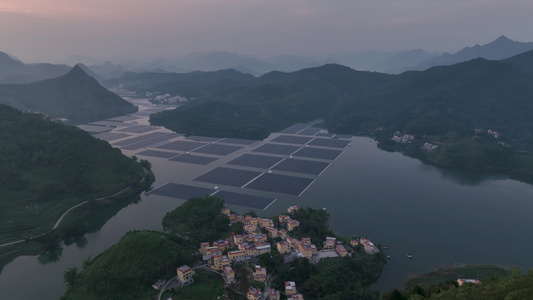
[[52, 30]]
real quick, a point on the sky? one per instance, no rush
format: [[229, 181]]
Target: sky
[[53, 30]]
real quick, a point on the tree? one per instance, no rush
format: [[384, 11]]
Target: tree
[[71, 276]]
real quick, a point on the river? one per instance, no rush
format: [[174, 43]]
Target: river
[[440, 217]]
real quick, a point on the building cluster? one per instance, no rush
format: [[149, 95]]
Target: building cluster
[[254, 242], [406, 138]]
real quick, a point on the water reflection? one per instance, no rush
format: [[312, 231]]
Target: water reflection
[[462, 176]]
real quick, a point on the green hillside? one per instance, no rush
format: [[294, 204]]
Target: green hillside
[[128, 269], [74, 96], [517, 286], [47, 168]]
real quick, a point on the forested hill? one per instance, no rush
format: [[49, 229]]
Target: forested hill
[[453, 107], [74, 96], [53, 166], [476, 94]]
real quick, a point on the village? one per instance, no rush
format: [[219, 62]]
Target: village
[[223, 255]]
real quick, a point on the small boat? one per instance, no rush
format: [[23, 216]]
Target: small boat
[[388, 257], [385, 247], [409, 256]]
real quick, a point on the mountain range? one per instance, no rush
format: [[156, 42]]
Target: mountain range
[[15, 71], [75, 96], [499, 49]]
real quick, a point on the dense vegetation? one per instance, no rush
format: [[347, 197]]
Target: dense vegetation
[[517, 286], [129, 268], [199, 219], [313, 224], [74, 96], [48, 167]]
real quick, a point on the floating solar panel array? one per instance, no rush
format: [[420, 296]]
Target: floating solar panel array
[[287, 164]]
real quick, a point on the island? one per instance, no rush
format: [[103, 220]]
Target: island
[[208, 251]]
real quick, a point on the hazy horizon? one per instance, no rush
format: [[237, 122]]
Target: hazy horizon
[[54, 30]]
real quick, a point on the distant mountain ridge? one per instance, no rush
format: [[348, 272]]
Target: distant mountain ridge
[[74, 96], [499, 49], [15, 71]]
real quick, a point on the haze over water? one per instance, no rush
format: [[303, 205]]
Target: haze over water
[[440, 217]]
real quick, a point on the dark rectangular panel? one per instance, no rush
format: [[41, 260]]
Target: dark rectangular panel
[[194, 159], [227, 176], [139, 138], [236, 141], [202, 138], [218, 149], [151, 141], [330, 154], [276, 149], [155, 153], [244, 200], [255, 161], [181, 191], [301, 166], [331, 143], [290, 139], [181, 145], [280, 184]]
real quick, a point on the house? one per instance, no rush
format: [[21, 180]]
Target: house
[[354, 243], [263, 249], [329, 244], [283, 218], [370, 248], [290, 288], [283, 247], [260, 273], [254, 293], [249, 228], [232, 217], [282, 233], [229, 273], [306, 248], [341, 250], [225, 211], [266, 223], [273, 294], [291, 224], [260, 238], [463, 281], [292, 209], [237, 239], [203, 247], [272, 232], [296, 297], [234, 255], [185, 274], [219, 262]]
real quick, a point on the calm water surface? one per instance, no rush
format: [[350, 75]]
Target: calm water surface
[[440, 217]]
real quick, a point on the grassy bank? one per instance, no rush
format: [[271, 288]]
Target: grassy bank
[[442, 275]]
